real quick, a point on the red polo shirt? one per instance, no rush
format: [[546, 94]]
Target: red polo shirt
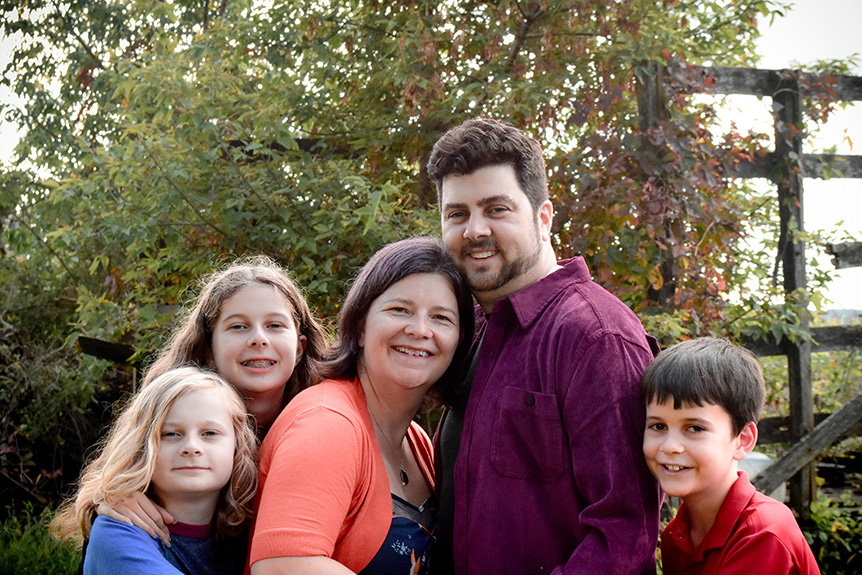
[[752, 533]]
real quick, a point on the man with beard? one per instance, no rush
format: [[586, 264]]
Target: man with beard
[[550, 475]]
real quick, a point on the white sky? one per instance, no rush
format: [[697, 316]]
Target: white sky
[[825, 30], [812, 30]]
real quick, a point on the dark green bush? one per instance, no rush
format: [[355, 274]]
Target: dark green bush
[[26, 546], [835, 535]]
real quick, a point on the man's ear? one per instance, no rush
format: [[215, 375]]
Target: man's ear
[[545, 216], [745, 441]]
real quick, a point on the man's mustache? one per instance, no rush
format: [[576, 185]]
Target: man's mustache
[[485, 245]]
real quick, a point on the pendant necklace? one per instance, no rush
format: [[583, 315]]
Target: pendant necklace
[[403, 474]]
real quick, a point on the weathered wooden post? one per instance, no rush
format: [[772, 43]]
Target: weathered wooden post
[[787, 102]]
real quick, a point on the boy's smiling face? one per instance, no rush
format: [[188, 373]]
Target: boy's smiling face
[[692, 451]]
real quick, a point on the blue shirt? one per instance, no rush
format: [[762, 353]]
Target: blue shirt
[[116, 547]]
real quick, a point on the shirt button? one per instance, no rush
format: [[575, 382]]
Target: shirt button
[[530, 399]]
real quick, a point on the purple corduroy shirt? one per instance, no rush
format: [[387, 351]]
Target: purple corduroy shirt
[[550, 475]]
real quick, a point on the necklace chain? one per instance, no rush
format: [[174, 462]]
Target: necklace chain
[[403, 474]]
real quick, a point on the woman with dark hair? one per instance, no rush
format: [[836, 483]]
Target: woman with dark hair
[[346, 476]]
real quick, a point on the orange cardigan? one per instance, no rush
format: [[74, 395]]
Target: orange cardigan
[[323, 484]]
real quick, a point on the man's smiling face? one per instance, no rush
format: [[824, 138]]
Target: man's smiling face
[[491, 231]]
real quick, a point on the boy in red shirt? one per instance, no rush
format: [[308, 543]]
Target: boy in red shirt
[[703, 399]]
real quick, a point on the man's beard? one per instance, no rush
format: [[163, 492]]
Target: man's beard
[[485, 281]]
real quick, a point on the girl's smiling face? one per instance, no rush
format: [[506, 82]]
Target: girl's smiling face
[[255, 344], [196, 448]]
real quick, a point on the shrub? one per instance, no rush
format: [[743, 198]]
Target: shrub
[[835, 535], [26, 546]]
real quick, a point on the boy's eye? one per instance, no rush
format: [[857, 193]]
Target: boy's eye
[[697, 428]]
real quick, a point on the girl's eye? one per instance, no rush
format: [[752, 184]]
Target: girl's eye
[[656, 426], [275, 325], [168, 434], [237, 326], [697, 429]]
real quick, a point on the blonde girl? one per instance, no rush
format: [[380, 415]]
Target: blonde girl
[[185, 439]]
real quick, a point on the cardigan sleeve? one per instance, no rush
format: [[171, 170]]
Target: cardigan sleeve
[[311, 484]]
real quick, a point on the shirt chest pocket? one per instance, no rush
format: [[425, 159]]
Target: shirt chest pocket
[[528, 437]]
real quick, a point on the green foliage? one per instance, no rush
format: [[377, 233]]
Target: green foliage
[[836, 535], [27, 548], [835, 380], [163, 138]]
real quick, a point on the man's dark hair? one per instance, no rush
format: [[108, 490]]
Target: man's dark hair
[[707, 370], [484, 142]]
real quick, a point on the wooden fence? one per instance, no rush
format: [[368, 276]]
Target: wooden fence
[[788, 89]]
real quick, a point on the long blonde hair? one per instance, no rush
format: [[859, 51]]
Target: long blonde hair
[[127, 456]]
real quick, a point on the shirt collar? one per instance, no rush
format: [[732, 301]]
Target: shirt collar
[[528, 303], [734, 503]]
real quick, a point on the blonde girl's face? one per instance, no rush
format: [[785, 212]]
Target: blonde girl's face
[[255, 343], [196, 448]]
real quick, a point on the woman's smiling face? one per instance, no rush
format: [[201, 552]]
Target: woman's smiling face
[[411, 332]]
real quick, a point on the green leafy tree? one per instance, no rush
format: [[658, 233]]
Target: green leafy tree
[[161, 138]]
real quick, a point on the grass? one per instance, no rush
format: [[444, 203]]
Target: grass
[[27, 548]]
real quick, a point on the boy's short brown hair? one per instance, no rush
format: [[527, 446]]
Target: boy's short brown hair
[[707, 370]]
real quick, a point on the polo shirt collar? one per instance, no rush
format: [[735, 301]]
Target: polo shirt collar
[[736, 501]]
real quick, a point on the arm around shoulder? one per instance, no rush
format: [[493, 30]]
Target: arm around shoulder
[[312, 474]]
